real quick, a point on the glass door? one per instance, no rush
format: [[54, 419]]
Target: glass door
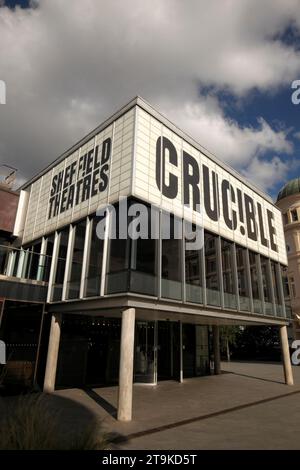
[[144, 360]]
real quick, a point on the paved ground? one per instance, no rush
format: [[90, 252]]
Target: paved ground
[[247, 407]]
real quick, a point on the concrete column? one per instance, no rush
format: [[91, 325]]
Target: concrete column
[[53, 347], [287, 367], [126, 365], [216, 347]]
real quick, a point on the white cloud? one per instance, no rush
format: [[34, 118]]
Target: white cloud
[[234, 144], [267, 174], [297, 135], [66, 69]]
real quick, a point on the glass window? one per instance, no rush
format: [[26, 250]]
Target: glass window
[[294, 215], [144, 252], [286, 291], [211, 269], [46, 260], [32, 257], [193, 270], [292, 287], [60, 265], [144, 352], [253, 260], [171, 269], [16, 262], [276, 287], [228, 274], [243, 285], [73, 285], [117, 278], [267, 285], [285, 218], [94, 267]]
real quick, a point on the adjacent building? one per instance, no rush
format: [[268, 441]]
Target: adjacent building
[[289, 203], [93, 303]]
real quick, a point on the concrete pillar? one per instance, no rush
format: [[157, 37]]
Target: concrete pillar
[[287, 367], [126, 365], [216, 347], [53, 347]]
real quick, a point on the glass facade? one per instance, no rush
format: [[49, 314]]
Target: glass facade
[[73, 283], [193, 273], [171, 258], [275, 273], [212, 269], [117, 277], [144, 259], [218, 273], [163, 350], [255, 283], [94, 262], [267, 285], [228, 270], [60, 265], [244, 288]]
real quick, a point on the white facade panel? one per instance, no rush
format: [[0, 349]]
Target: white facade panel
[[95, 174], [162, 176]]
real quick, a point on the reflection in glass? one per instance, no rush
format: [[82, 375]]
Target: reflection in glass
[[230, 300], [267, 286], [243, 285], [31, 262], [144, 251], [144, 352], [171, 269], [211, 269], [202, 350], [193, 272], [253, 260], [117, 278], [286, 291], [94, 267], [73, 287], [60, 265], [276, 287]]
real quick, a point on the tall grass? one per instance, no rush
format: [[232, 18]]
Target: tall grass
[[29, 423]]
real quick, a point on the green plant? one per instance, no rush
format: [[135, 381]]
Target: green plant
[[29, 423]]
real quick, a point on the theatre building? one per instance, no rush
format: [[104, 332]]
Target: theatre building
[[128, 252]]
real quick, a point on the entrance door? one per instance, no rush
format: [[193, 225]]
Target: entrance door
[[189, 350], [89, 351], [144, 357], [168, 350]]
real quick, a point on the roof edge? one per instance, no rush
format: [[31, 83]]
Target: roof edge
[[142, 103]]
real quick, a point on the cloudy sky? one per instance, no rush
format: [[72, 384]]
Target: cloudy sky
[[220, 70]]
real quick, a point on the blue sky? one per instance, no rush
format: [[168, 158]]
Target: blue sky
[[277, 109], [14, 3], [222, 71]]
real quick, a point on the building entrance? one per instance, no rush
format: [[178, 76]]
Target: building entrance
[[89, 351], [168, 350]]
